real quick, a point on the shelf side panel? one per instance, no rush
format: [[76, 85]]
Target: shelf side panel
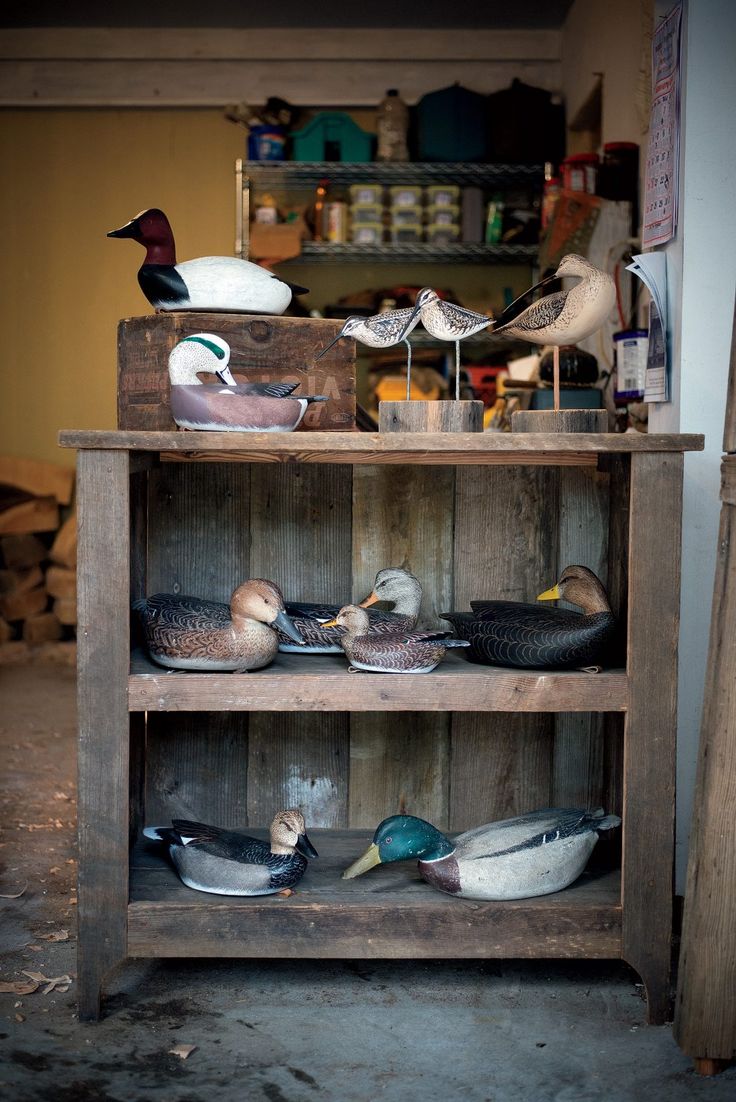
[[505, 548], [300, 538], [402, 516]]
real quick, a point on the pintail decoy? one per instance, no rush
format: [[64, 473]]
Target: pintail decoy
[[511, 633], [564, 317], [380, 331], [389, 652], [187, 633], [206, 283], [447, 322], [533, 854], [228, 862], [392, 584]]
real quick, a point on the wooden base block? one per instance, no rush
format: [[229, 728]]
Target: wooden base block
[[560, 420], [430, 416]]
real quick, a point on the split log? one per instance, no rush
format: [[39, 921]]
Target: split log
[[38, 514], [42, 628], [61, 581], [64, 548], [65, 608], [19, 606], [21, 552], [6, 632], [38, 478], [19, 581]]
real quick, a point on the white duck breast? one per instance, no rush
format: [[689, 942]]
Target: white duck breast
[[227, 283]]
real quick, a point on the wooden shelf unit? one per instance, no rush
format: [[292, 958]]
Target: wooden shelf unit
[[474, 516]]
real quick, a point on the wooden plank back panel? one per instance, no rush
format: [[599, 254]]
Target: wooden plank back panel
[[583, 540], [198, 544], [402, 516], [300, 538], [505, 542], [729, 431]]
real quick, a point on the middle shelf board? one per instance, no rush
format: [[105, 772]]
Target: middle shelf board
[[389, 912], [420, 252], [309, 683]]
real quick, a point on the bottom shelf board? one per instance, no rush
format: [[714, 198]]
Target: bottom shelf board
[[388, 912]]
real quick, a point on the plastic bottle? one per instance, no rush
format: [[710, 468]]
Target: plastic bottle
[[316, 219], [392, 124]]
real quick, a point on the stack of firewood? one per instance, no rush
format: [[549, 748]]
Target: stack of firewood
[[38, 552]]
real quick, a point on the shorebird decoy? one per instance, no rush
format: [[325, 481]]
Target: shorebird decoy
[[564, 317], [205, 283], [447, 322], [380, 331]]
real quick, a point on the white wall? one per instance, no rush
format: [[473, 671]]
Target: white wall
[[702, 274]]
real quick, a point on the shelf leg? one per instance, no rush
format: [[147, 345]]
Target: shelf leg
[[103, 658], [655, 512]]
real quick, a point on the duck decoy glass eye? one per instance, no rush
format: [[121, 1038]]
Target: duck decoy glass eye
[[388, 841]]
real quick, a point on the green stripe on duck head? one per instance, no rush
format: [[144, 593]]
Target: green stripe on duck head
[[217, 349], [401, 838]]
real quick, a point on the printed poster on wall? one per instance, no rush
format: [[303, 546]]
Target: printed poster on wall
[[661, 183]]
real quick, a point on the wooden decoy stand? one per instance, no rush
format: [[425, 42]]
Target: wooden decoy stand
[[473, 515]]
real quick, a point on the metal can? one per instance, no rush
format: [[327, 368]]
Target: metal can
[[631, 364], [337, 222]]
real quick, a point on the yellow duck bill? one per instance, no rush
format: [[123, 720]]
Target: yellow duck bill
[[369, 860], [552, 594]]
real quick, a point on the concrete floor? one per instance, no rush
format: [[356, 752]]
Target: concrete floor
[[280, 1031]]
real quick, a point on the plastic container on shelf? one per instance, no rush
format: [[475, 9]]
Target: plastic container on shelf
[[631, 346], [405, 232], [443, 195], [442, 235], [406, 195], [443, 215], [337, 221], [366, 193], [580, 172], [392, 124], [367, 233], [366, 212], [403, 216]]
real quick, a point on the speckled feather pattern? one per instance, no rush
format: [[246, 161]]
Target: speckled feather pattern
[[189, 633], [305, 618], [448, 321], [399, 653], [566, 317]]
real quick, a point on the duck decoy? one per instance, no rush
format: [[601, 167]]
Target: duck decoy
[[533, 854], [208, 353], [447, 322], [228, 862], [380, 331], [389, 652], [563, 317], [187, 633], [206, 283], [510, 633], [391, 584]]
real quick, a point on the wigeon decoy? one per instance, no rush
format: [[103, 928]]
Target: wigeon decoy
[[207, 283], [228, 862], [533, 854], [188, 633]]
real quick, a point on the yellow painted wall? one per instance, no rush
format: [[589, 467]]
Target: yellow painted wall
[[67, 177]]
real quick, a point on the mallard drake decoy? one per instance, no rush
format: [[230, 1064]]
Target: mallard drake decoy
[[389, 652], [532, 854], [209, 353], [381, 331], [206, 283], [228, 862], [391, 584], [510, 633], [187, 633], [447, 322]]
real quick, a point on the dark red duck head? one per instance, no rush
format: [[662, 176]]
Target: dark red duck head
[[151, 229]]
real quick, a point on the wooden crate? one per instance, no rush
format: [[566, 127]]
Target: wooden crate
[[269, 349]]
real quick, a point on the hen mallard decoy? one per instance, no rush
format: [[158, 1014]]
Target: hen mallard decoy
[[391, 584], [206, 283], [187, 633], [532, 854], [228, 862], [389, 652], [510, 633]]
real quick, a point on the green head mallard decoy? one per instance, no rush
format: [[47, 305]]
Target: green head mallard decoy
[[188, 633], [394, 584], [533, 854], [510, 633], [228, 862], [389, 652]]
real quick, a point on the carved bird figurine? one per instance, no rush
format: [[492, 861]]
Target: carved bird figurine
[[228, 862], [563, 317], [393, 584], [187, 633], [390, 652], [533, 854], [208, 353], [510, 633], [205, 283], [447, 322], [380, 331]]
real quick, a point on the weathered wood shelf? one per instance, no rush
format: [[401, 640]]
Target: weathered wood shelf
[[390, 912], [472, 515], [323, 683]]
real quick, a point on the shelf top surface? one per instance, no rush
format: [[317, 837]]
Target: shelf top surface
[[374, 447], [392, 172]]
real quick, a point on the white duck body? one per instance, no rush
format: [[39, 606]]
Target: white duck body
[[229, 284]]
